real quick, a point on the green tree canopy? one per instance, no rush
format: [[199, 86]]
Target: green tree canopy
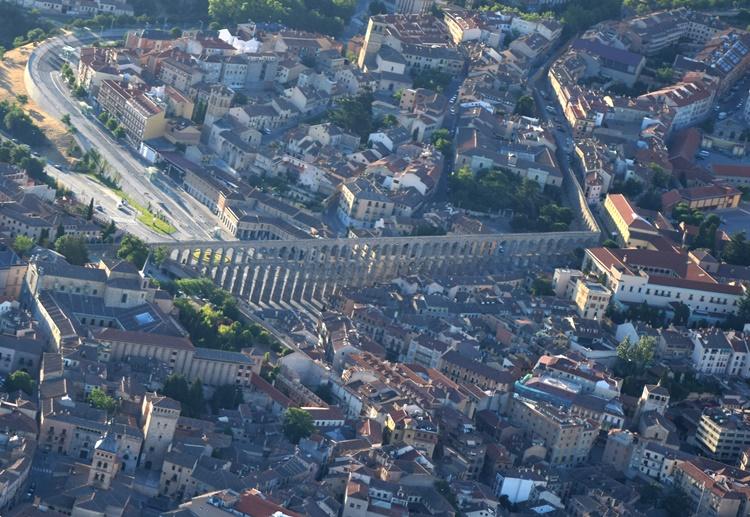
[[134, 250], [73, 249], [22, 245], [683, 213], [638, 356], [190, 396], [525, 106], [431, 79], [737, 250], [297, 424], [542, 287], [19, 380], [227, 396], [354, 114], [99, 399], [326, 16]]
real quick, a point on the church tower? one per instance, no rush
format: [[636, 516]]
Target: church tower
[[105, 464]]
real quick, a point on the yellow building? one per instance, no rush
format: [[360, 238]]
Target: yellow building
[[591, 299], [625, 219]]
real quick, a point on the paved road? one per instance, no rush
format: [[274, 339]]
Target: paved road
[[192, 219]]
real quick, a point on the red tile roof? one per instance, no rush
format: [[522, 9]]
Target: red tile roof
[[253, 504], [260, 384], [735, 171]]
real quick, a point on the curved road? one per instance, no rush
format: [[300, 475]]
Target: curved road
[[193, 220]]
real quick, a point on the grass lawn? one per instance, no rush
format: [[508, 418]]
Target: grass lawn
[[146, 217], [143, 214]]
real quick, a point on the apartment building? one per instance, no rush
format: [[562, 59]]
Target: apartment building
[[660, 278], [591, 299], [95, 66], [692, 100], [460, 368], [567, 439], [141, 118], [723, 433], [713, 488], [721, 353], [362, 203]]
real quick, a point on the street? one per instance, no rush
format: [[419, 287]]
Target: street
[[191, 219]]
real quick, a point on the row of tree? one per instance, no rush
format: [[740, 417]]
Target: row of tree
[[326, 16], [16, 122], [19, 26], [112, 124]]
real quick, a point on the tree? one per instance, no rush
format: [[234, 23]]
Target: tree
[[525, 106], [674, 502], [226, 396], [683, 213], [196, 403], [377, 7], [177, 387], [707, 229], [664, 74], [542, 287], [99, 399], [681, 314], [326, 16], [22, 245], [112, 124], [737, 250], [109, 232], [19, 380], [160, 255], [650, 200], [354, 114], [44, 238], [609, 243], [134, 250], [190, 396], [60, 231], [637, 357], [176, 32], [660, 178], [103, 117], [73, 249], [629, 188], [297, 424], [325, 392], [442, 141], [90, 210], [119, 132], [431, 79]]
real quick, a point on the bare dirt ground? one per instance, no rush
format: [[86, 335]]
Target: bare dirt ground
[[12, 85]]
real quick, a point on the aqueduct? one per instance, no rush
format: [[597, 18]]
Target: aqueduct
[[302, 270]]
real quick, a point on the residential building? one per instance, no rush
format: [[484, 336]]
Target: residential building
[[567, 439], [140, 117]]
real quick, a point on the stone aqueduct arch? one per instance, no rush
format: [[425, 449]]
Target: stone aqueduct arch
[[274, 271]]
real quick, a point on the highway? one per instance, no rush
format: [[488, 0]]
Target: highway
[[191, 219]]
